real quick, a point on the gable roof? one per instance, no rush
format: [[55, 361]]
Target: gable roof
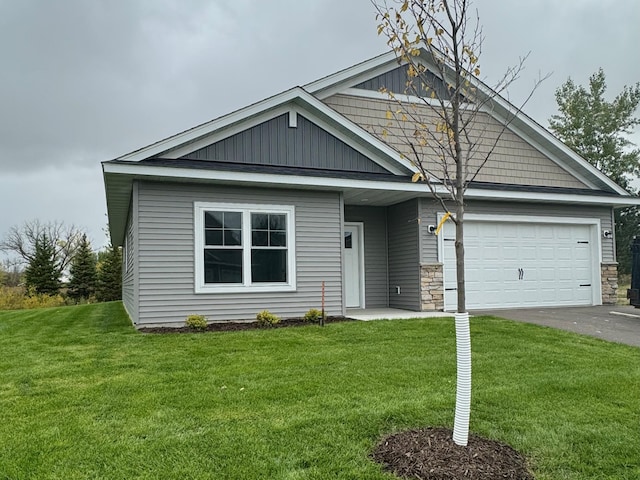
[[294, 100], [497, 106], [162, 160]]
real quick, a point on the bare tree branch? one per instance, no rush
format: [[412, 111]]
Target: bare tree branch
[[21, 240]]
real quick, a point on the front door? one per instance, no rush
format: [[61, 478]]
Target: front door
[[353, 268]]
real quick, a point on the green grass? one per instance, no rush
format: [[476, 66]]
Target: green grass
[[84, 396]]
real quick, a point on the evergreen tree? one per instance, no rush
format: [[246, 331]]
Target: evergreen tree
[[109, 286], [43, 274], [598, 130], [82, 283]]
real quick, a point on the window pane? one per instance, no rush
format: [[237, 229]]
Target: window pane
[[268, 265], [233, 237], [233, 220], [277, 222], [222, 266], [259, 221], [278, 239], [259, 238], [213, 219], [348, 241], [213, 237]]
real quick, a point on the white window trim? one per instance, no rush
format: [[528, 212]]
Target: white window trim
[[246, 209]]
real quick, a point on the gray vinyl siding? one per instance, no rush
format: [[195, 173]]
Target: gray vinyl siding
[[404, 255], [167, 257], [376, 283], [429, 210], [275, 143], [396, 81], [129, 262]]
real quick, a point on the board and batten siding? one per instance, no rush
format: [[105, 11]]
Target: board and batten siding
[[274, 142], [129, 262], [396, 81], [404, 255], [167, 257], [429, 210], [374, 221]]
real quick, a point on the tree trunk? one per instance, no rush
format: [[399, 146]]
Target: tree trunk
[[463, 341]]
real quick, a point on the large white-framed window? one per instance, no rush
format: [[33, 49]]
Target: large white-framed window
[[243, 247]]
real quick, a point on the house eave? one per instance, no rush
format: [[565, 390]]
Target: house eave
[[119, 178]]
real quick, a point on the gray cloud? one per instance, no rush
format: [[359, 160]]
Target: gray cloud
[[88, 80]]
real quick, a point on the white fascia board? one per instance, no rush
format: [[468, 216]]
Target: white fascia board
[[478, 194], [216, 130], [211, 126], [293, 181], [308, 106], [335, 80]]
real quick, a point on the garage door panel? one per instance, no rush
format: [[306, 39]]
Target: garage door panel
[[522, 264]]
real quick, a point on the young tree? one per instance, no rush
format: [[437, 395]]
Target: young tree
[[109, 286], [22, 240], [598, 130], [443, 134], [82, 283], [43, 274]]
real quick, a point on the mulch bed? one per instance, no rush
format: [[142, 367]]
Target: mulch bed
[[431, 454], [236, 326]]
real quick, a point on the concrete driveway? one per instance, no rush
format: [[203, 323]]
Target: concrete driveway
[[614, 323]]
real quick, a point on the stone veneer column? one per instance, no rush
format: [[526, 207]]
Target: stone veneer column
[[431, 287], [609, 276]]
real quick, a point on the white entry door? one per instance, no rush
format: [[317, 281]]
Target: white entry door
[[353, 265], [512, 264]]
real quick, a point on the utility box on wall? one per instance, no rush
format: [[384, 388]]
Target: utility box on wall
[[633, 294]]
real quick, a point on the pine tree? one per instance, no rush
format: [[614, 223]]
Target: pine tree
[[109, 275], [82, 283], [42, 274], [599, 131]]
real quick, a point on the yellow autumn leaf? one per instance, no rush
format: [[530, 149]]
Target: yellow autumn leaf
[[389, 115], [416, 177], [476, 71]]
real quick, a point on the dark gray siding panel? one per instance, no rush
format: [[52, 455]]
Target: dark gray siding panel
[[275, 143], [167, 254], [404, 255], [396, 81], [430, 208], [375, 252]]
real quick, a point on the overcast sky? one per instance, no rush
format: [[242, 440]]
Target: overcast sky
[[83, 81]]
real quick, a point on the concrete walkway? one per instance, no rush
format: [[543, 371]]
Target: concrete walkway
[[390, 314]]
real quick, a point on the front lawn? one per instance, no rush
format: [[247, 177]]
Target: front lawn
[[84, 396]]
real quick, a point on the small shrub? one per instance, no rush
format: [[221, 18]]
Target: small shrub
[[267, 319], [17, 298], [196, 322], [313, 315]]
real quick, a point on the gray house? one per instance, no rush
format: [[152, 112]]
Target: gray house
[[256, 209]]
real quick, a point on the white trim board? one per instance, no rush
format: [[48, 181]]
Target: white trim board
[[297, 181]]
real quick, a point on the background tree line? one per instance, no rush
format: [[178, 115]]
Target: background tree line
[[599, 131], [53, 260]]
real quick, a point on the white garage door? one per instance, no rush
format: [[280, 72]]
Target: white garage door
[[521, 264]]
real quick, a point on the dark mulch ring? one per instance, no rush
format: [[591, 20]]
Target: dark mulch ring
[[235, 326], [431, 454]]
